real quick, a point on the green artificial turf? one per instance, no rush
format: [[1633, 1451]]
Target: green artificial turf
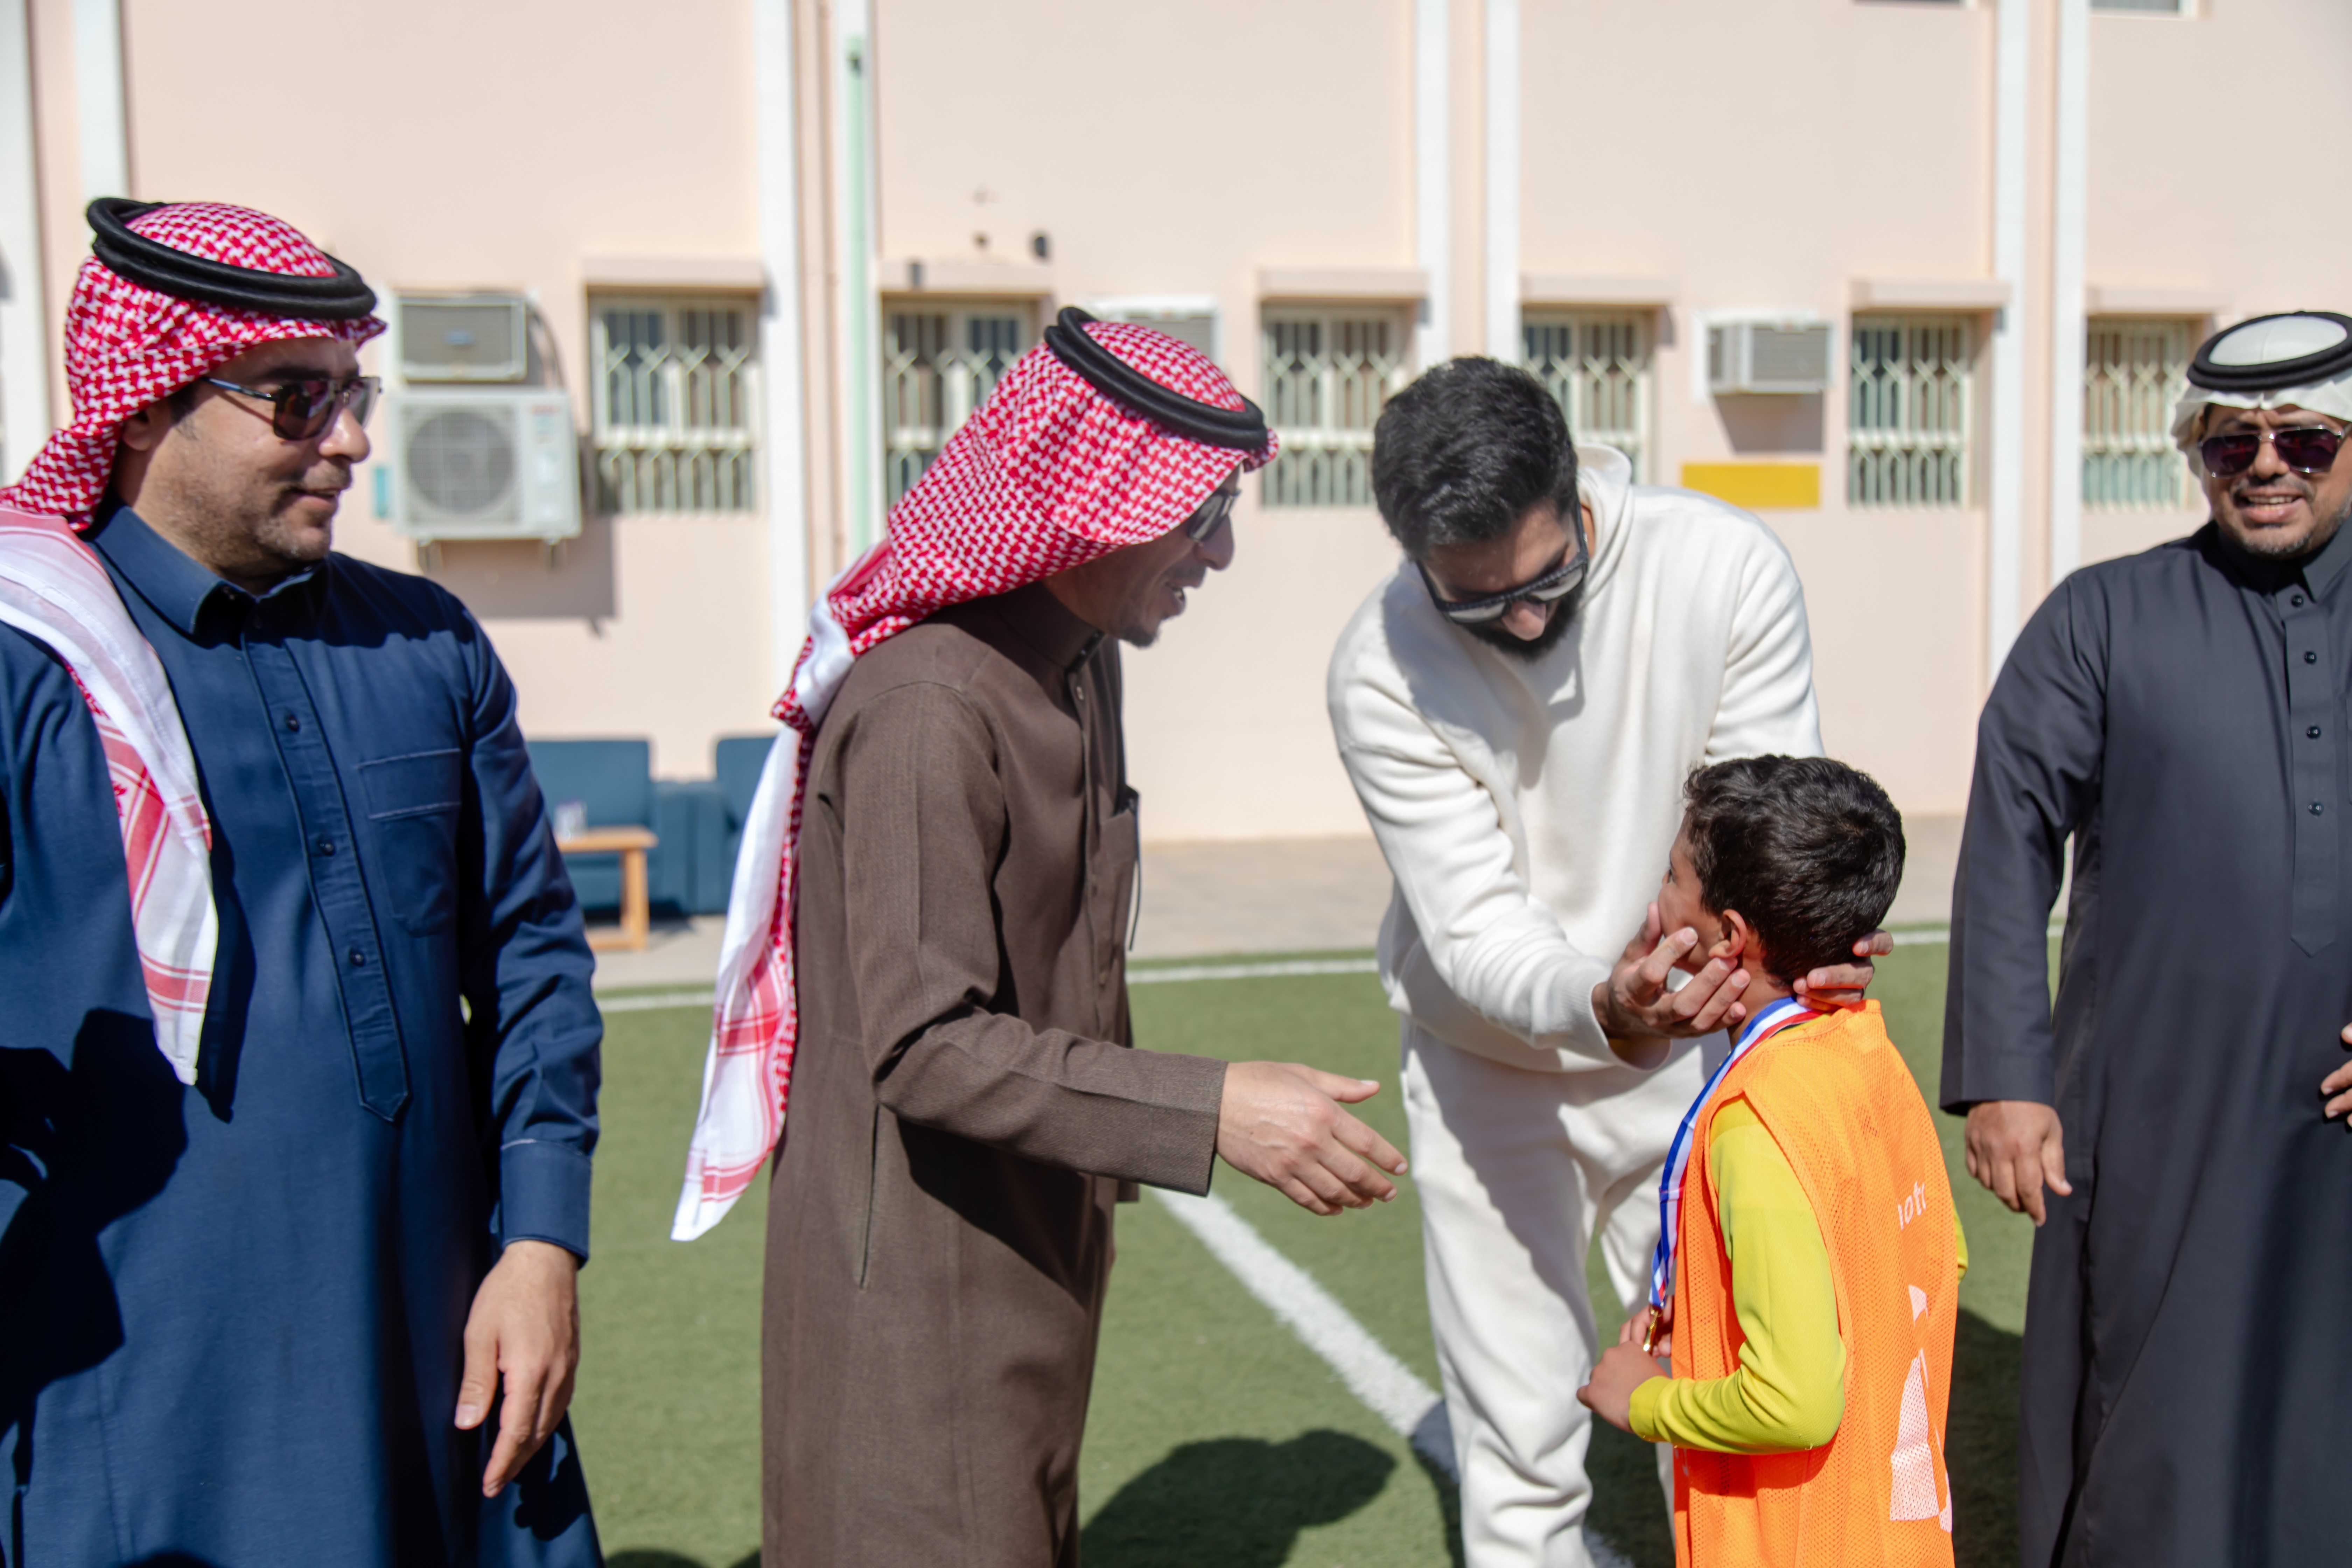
[[1215, 1438]]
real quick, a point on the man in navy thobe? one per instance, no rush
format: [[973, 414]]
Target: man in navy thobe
[[301, 1293]]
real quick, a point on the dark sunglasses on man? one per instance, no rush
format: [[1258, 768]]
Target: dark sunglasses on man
[[1210, 516], [2306, 448], [1552, 585], [301, 410]]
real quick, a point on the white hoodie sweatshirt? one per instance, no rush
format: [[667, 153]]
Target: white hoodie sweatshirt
[[1527, 807]]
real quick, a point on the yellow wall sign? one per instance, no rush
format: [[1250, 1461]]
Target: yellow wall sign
[[1757, 486]]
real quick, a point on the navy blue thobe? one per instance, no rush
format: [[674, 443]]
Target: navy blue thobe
[[231, 1314]]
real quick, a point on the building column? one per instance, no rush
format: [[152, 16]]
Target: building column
[[784, 490], [1502, 192], [23, 357], [2006, 508], [98, 99], [2070, 188], [859, 329], [1432, 191]]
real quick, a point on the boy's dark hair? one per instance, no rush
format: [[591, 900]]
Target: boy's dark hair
[[1460, 455], [1809, 850]]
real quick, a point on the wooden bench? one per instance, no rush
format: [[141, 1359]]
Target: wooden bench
[[636, 918]]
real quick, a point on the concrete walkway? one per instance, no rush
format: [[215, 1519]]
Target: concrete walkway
[[1310, 895]]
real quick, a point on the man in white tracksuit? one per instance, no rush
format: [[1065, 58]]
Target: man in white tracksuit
[[1517, 707]]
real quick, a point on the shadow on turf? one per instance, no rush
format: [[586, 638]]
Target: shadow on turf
[[1237, 1503], [1240, 1502]]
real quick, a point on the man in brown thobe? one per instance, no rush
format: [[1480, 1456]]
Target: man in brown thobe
[[966, 1108]]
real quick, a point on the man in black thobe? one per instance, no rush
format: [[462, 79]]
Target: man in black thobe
[[2182, 714]]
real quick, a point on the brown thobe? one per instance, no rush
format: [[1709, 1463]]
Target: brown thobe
[[965, 1108]]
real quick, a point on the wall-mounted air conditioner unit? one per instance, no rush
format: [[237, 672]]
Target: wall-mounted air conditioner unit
[[1773, 356], [480, 463], [464, 337], [1191, 318]]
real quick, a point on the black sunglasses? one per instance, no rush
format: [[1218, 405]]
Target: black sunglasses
[[300, 410], [2306, 448], [1553, 585], [1203, 525]]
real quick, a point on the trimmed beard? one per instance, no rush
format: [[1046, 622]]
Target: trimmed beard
[[2320, 536], [1530, 649]]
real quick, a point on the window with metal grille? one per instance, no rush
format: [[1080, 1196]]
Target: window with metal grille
[[1909, 413], [1596, 365], [1327, 373], [938, 364], [677, 402], [2134, 369]]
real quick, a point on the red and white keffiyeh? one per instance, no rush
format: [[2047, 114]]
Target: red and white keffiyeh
[[127, 346], [1047, 473], [53, 589]]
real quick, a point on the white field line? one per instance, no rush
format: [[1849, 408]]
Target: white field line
[[1254, 971], [1392, 1389], [1938, 935], [1243, 971], [653, 1000], [1387, 1387], [1271, 969]]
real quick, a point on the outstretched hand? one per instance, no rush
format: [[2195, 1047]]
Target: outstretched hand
[[1282, 1124], [523, 1332]]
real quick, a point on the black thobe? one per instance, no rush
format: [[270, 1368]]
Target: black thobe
[[2187, 1355]]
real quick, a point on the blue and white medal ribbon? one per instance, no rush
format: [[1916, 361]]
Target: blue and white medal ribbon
[[1787, 1013]]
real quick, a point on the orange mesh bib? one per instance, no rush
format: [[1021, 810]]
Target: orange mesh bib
[[1838, 1101]]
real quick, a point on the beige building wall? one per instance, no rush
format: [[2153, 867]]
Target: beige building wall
[[1678, 160]]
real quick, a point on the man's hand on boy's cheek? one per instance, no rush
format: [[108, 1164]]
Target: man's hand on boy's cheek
[[1633, 1001], [1842, 985], [1610, 1394]]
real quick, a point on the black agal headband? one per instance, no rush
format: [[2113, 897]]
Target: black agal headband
[[1243, 428], [2294, 348], [153, 265]]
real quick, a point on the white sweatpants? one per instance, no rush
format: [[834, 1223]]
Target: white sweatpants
[[1515, 1171]]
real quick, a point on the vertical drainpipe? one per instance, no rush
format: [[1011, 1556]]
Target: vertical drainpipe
[[1432, 185], [98, 92], [784, 489], [24, 367], [2070, 187], [2007, 500], [1502, 193], [860, 328]]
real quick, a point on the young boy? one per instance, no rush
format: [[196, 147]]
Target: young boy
[[1810, 1259]]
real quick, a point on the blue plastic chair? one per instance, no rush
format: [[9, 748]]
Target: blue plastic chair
[[613, 779], [738, 761]]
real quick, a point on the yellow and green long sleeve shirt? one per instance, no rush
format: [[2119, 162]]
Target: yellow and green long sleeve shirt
[[1789, 1393]]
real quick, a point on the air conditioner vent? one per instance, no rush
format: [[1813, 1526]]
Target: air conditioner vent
[[477, 337], [485, 463], [1768, 356]]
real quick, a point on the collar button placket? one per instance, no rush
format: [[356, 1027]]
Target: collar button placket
[[338, 886], [2312, 770]]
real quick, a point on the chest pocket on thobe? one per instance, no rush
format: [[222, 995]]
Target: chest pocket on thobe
[[413, 805], [1122, 860]]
